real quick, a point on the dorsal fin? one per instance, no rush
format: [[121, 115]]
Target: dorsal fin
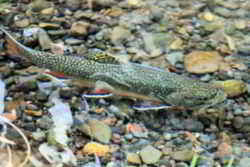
[[102, 57]]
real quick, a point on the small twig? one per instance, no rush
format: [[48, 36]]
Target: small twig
[[10, 164], [23, 136]]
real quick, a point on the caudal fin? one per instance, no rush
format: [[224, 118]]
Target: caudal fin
[[13, 47]]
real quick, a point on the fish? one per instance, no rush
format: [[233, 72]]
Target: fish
[[132, 79]]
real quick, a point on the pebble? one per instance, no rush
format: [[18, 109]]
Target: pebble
[[175, 57], [150, 155], [208, 16], [44, 40], [167, 136], [133, 158], [242, 124], [22, 23], [134, 3], [73, 4], [223, 12], [29, 32], [44, 123], [98, 130], [49, 11], [119, 34], [39, 5], [80, 28], [103, 3], [232, 88], [224, 149], [66, 93], [181, 164], [73, 41], [49, 25], [96, 148], [183, 155], [213, 26], [240, 24], [177, 44], [39, 136], [28, 86], [187, 124], [79, 14], [201, 62], [58, 32]]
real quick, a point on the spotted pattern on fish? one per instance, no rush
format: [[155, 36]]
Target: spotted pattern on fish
[[164, 86]]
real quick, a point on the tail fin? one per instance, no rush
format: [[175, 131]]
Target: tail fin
[[13, 47]]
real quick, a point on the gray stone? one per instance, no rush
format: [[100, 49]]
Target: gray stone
[[150, 155]]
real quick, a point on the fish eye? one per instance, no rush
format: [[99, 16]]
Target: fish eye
[[67, 50]]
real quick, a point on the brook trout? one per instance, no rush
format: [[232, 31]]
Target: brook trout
[[135, 79]]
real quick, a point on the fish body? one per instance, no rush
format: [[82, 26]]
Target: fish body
[[135, 79]]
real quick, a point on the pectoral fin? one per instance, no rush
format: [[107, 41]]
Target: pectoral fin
[[102, 90], [142, 107]]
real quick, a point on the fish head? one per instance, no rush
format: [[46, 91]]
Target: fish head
[[196, 96], [208, 97]]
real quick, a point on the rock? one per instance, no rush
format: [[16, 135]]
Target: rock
[[238, 122], [232, 87], [41, 96], [22, 23], [119, 34], [58, 32], [49, 25], [181, 164], [80, 28], [67, 12], [17, 156], [102, 3], [240, 24], [224, 149], [30, 32], [44, 40], [66, 93], [73, 4], [213, 26], [176, 44], [133, 158], [200, 62], [137, 130], [44, 123], [5, 71], [208, 16], [73, 41], [112, 164], [134, 3], [49, 11], [174, 57], [150, 155], [96, 148], [224, 12], [183, 155], [38, 5], [79, 14], [28, 86], [98, 130], [187, 124], [39, 136]]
